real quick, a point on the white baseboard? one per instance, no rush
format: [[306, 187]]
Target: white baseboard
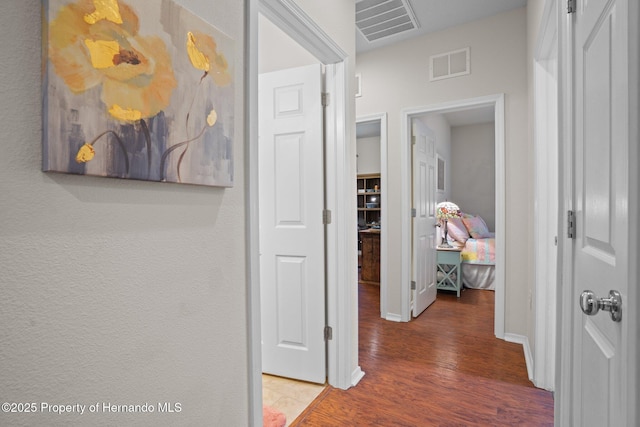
[[528, 357], [393, 317], [356, 376]]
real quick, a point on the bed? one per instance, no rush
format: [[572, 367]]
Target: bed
[[478, 244]]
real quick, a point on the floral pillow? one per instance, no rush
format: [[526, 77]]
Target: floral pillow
[[477, 227], [456, 230]]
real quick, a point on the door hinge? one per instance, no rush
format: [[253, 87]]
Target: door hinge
[[571, 6], [413, 285], [571, 224], [326, 216], [413, 140], [328, 333], [325, 99], [413, 213]]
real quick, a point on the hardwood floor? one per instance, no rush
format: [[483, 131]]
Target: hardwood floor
[[444, 368]]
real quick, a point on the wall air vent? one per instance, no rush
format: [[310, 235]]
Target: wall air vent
[[377, 19], [451, 64]]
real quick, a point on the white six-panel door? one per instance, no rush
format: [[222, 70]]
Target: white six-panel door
[[292, 277], [601, 179], [424, 230]]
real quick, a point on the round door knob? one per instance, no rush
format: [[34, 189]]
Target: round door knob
[[589, 303]]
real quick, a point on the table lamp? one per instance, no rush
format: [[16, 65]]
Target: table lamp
[[444, 211]]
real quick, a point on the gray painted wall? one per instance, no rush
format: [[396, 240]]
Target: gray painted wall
[[473, 170]]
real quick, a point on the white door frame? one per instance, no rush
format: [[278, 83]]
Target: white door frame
[[547, 213], [407, 114], [341, 266], [384, 237], [564, 325]]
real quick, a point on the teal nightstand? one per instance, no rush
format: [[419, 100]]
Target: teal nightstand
[[448, 272]]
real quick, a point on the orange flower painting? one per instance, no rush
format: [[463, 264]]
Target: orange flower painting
[[139, 89]]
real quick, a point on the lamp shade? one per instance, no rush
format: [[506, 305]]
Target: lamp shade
[[446, 210]]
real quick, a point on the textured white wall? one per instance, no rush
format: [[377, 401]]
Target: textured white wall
[[396, 77], [473, 170], [116, 291]]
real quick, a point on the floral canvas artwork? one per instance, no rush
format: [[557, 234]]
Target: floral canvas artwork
[[138, 89]]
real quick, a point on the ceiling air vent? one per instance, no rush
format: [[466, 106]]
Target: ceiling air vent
[[377, 19]]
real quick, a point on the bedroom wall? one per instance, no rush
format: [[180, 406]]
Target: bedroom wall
[[115, 290], [399, 78], [473, 170], [368, 152]]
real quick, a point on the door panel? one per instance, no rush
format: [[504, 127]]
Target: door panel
[[292, 283], [424, 234], [601, 179]]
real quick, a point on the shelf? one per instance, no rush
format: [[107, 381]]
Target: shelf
[[370, 181]]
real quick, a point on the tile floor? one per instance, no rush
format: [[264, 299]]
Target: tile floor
[[288, 396]]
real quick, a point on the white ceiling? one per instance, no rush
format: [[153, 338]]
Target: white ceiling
[[436, 15]]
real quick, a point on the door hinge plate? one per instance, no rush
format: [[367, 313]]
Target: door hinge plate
[[413, 285], [413, 213], [571, 224], [325, 99], [571, 6], [328, 333], [326, 216]]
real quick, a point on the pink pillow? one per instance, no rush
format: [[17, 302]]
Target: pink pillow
[[457, 230], [477, 227]]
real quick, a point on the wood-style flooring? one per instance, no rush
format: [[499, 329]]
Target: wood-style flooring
[[444, 368]]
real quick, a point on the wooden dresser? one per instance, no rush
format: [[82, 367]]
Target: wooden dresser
[[370, 267]]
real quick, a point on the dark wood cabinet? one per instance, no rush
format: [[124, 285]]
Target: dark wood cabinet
[[370, 267]]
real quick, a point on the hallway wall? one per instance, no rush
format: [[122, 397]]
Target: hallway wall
[[116, 291], [397, 77]]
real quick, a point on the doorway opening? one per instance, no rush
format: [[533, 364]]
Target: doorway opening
[[341, 265], [371, 152], [496, 102]]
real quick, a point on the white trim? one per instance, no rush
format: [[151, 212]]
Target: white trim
[[407, 114], [340, 267], [546, 196], [341, 241], [564, 325], [252, 243], [289, 17], [633, 315], [356, 376], [384, 205], [524, 341], [393, 317]]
